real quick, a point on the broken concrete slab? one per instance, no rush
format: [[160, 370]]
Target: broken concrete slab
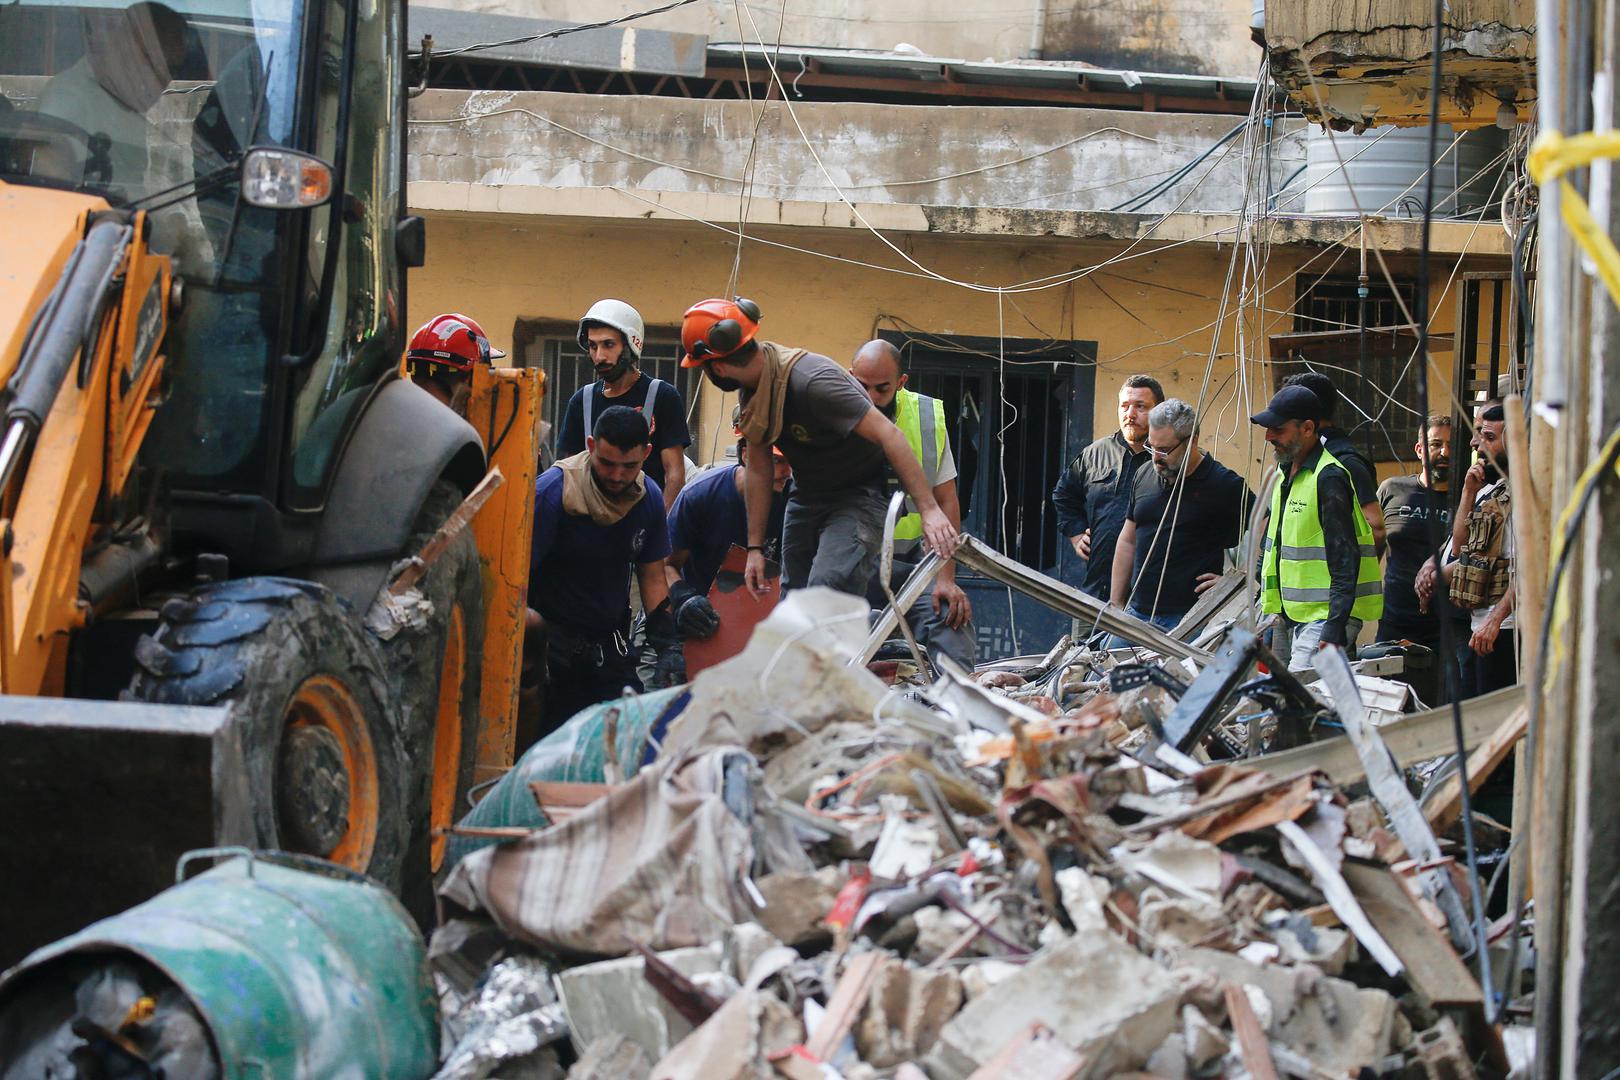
[[1033, 1054], [1169, 1061], [1097, 995], [1178, 863], [742, 947], [1337, 1025], [1174, 920], [735, 1043], [906, 1007], [796, 906], [611, 1057], [614, 997], [1203, 1042]]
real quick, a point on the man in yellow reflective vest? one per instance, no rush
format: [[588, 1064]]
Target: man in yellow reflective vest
[[944, 623], [1320, 567]]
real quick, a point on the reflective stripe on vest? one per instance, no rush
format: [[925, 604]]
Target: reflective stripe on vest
[[1297, 581], [646, 406], [925, 441]]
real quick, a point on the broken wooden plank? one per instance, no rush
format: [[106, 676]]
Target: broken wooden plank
[[1251, 1037], [848, 999], [1411, 739], [1432, 966], [1445, 805]]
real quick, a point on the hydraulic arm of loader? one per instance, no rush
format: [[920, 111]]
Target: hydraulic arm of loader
[[82, 381], [505, 410]]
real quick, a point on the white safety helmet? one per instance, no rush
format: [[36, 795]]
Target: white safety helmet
[[621, 317]]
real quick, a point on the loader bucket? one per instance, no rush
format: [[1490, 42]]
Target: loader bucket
[[99, 799]]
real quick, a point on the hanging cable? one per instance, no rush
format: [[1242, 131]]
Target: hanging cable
[[559, 32], [1448, 656]]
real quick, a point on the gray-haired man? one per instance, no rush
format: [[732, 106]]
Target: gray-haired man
[[1183, 515]]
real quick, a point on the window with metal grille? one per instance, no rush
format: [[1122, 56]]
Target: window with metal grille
[[1378, 405], [568, 368]]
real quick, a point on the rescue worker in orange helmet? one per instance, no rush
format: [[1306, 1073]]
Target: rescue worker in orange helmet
[[442, 354], [840, 447]]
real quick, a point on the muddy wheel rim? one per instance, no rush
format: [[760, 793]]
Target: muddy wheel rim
[[326, 784], [447, 736]]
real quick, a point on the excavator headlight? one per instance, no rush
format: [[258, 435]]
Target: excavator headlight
[[280, 179]]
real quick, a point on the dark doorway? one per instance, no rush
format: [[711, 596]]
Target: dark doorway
[[1034, 399]]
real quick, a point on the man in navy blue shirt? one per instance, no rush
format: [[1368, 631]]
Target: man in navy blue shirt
[[595, 516], [710, 516]]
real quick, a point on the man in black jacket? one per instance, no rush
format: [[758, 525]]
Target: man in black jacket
[[1094, 492]]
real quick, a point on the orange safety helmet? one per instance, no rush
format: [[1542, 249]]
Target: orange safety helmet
[[716, 328], [452, 341]]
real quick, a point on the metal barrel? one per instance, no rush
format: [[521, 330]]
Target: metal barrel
[[299, 968]]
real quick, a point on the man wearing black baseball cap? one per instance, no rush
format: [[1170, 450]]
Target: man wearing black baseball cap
[[1320, 571]]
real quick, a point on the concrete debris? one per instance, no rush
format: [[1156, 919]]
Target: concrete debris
[[1068, 865], [906, 1007], [613, 997], [1114, 1016], [611, 1057], [963, 885], [736, 1043], [796, 906]]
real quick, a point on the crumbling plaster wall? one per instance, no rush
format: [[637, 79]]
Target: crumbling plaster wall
[[1038, 158]]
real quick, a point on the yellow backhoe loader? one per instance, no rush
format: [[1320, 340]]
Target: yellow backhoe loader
[[210, 470]]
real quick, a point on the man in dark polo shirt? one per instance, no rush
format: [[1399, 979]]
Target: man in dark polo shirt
[[837, 443], [1093, 493], [1183, 515]]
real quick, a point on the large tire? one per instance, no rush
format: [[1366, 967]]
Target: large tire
[[324, 757], [436, 670]]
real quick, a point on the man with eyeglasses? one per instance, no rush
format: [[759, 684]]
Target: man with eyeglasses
[[1182, 516]]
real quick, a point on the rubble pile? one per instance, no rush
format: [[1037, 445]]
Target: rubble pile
[[791, 869]]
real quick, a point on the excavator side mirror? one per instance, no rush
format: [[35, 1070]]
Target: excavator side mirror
[[276, 178]]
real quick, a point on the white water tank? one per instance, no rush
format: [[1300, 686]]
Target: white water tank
[[1385, 167]]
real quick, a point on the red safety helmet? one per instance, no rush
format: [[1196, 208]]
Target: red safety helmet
[[453, 342], [716, 328]]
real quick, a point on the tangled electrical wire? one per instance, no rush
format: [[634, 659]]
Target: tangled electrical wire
[[564, 31]]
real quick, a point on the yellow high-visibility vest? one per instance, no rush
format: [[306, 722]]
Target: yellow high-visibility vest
[[1297, 582], [925, 441]]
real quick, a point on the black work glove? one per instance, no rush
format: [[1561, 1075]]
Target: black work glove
[[694, 615], [670, 668], [662, 635]]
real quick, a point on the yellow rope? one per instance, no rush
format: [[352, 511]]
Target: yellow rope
[[1551, 157], [1560, 602]]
